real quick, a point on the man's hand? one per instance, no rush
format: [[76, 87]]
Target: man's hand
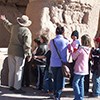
[[29, 58], [2, 17], [35, 57]]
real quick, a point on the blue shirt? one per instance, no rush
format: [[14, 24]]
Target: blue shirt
[[61, 44]]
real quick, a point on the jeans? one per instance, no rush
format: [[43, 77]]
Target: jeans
[[48, 81], [78, 86], [40, 76], [96, 84], [58, 81]]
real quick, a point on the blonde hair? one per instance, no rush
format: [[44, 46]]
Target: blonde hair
[[86, 40]]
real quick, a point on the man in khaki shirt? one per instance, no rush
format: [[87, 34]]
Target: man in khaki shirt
[[19, 48]]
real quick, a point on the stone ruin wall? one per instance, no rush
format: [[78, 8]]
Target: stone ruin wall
[[12, 9], [82, 15]]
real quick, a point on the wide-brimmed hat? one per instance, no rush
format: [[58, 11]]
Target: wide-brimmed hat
[[24, 21], [97, 39]]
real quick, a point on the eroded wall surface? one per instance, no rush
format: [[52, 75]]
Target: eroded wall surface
[[12, 9], [82, 15]]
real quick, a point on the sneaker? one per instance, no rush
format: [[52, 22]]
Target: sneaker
[[11, 88], [19, 91]]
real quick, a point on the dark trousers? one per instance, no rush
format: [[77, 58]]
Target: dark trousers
[[86, 83], [30, 73], [72, 73], [40, 76], [87, 79], [26, 78]]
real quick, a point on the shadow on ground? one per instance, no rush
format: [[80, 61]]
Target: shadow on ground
[[33, 94]]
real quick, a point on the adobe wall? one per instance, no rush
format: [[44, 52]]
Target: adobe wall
[[12, 9], [82, 15]]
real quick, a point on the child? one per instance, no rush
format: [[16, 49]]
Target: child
[[75, 43], [81, 66], [73, 47], [48, 81]]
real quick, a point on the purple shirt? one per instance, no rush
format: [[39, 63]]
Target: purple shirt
[[61, 44]]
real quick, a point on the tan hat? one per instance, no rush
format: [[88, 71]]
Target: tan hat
[[24, 21]]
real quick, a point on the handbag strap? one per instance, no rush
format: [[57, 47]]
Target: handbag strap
[[57, 51]]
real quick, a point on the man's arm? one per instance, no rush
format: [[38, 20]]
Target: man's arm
[[7, 24], [39, 57], [27, 44]]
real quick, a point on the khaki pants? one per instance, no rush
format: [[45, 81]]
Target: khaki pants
[[16, 65]]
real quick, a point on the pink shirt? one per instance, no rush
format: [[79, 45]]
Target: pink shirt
[[81, 56], [75, 44]]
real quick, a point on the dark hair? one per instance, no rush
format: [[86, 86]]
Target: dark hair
[[59, 29], [75, 33], [37, 40]]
